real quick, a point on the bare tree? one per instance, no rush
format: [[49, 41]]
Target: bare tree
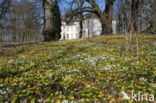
[[21, 23], [105, 16], [129, 16], [123, 17], [150, 16], [79, 15], [134, 15], [4, 6]]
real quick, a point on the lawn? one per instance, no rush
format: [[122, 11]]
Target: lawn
[[93, 70]]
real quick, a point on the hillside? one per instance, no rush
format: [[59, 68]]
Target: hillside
[[93, 70]]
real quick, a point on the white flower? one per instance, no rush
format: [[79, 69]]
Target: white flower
[[22, 56], [143, 79], [107, 67], [88, 86], [10, 61], [2, 92], [73, 71], [49, 74], [112, 59], [65, 101]]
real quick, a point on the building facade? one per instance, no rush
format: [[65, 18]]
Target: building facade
[[91, 27], [70, 31]]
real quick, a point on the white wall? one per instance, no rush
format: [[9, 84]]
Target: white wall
[[69, 31], [114, 24], [91, 27]]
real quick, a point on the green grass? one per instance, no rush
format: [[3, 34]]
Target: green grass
[[78, 71]]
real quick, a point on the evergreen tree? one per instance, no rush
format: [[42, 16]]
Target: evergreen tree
[[52, 20], [57, 20]]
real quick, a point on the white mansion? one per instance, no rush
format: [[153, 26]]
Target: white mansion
[[91, 27]]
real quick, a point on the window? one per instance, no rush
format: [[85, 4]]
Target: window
[[67, 36], [71, 36]]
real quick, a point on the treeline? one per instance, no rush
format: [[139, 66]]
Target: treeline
[[137, 15], [28, 20], [20, 21], [132, 16]]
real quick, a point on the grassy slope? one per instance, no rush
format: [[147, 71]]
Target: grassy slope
[[85, 70]]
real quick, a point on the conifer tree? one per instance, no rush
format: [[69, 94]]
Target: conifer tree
[[52, 20]]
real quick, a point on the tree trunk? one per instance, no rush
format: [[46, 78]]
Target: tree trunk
[[48, 20], [106, 19], [104, 16], [103, 24], [106, 26], [81, 25], [52, 21], [134, 14], [108, 14]]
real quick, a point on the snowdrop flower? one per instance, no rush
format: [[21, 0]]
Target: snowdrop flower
[[49, 74], [92, 61], [112, 59], [143, 79], [2, 92], [10, 61], [108, 67], [64, 101], [74, 70]]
